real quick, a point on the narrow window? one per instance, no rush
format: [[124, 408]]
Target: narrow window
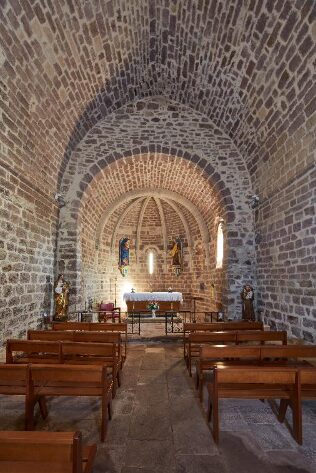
[[220, 246], [151, 262]]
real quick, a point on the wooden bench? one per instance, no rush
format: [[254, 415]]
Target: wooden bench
[[218, 327], [261, 337], [252, 383], [34, 351], [71, 325], [211, 356], [306, 390], [16, 380], [76, 336], [95, 327], [196, 339], [93, 354], [73, 380], [49, 452]]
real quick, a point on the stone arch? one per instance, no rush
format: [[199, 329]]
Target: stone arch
[[158, 193], [149, 129], [76, 215], [158, 125]]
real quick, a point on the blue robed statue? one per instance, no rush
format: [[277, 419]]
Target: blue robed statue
[[124, 255]]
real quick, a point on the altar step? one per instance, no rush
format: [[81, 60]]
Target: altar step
[[173, 338], [146, 320]]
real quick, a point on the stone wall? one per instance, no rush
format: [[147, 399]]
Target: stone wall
[[27, 249], [287, 257]]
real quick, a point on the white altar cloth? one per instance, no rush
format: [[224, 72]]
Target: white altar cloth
[[152, 296]]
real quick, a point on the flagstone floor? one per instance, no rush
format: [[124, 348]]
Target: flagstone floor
[[159, 425]]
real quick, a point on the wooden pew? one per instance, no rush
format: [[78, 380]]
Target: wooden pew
[[16, 380], [78, 336], [306, 390], [95, 327], [51, 335], [221, 326], [40, 351], [49, 452], [196, 339], [218, 327], [25, 351], [261, 337], [71, 325], [93, 354], [73, 380], [211, 356], [288, 351], [252, 383]]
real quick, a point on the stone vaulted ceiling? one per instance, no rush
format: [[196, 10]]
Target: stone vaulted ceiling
[[246, 64]]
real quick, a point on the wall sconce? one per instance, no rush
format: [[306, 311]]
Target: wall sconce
[[254, 202], [60, 200]]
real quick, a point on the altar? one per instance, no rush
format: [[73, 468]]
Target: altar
[[167, 301]]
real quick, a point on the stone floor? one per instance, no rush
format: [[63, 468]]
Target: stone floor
[[159, 425]]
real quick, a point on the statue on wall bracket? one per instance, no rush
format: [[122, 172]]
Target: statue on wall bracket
[[61, 297], [177, 257], [247, 297], [124, 256]]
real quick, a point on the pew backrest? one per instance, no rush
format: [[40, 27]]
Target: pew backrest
[[79, 351], [261, 336], [120, 327], [288, 351], [51, 335], [217, 352], [222, 326], [40, 351], [255, 375], [70, 326], [26, 351], [62, 452], [307, 383], [14, 379], [76, 336], [260, 352], [69, 380]]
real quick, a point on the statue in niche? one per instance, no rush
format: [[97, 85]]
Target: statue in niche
[[247, 297], [124, 255], [177, 256], [61, 296]]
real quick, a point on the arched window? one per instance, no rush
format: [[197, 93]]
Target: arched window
[[220, 246], [151, 262]]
